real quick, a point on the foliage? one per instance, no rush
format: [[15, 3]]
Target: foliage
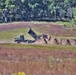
[[25, 10]]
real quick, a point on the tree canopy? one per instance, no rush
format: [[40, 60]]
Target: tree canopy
[[25, 10]]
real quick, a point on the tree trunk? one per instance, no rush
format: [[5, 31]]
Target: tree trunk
[[4, 18]]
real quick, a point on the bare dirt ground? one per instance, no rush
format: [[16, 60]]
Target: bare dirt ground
[[37, 62]]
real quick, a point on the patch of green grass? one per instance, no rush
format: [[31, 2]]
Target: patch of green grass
[[11, 34], [14, 33], [63, 37], [53, 59], [39, 47]]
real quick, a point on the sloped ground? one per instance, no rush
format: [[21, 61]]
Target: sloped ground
[[42, 28], [52, 29]]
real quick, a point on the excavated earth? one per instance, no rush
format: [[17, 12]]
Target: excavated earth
[[46, 28]]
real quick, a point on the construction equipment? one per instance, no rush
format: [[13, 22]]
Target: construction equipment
[[46, 38], [20, 39], [33, 34]]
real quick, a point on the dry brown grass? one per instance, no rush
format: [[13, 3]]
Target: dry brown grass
[[37, 62]]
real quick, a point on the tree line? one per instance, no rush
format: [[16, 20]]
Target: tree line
[[31, 10]]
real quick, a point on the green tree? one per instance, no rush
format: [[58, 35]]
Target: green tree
[[19, 10]]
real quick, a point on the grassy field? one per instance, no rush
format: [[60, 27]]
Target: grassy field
[[37, 59], [9, 35], [41, 47], [32, 59]]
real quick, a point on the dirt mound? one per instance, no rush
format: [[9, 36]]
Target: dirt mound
[[53, 41], [57, 41], [65, 42], [40, 41], [73, 42]]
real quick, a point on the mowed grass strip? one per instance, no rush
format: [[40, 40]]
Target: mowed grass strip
[[38, 47], [10, 34]]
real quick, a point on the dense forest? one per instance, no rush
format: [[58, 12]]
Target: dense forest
[[31, 10]]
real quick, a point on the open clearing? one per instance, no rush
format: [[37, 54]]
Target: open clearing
[[36, 59]]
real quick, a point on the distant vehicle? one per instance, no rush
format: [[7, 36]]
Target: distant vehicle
[[33, 34], [22, 39]]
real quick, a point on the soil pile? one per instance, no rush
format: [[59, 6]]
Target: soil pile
[[57, 41]]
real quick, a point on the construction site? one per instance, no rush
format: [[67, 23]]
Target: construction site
[[44, 39]]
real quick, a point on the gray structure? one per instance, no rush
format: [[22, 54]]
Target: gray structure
[[33, 34], [22, 39]]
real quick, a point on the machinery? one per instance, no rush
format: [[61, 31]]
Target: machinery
[[32, 33], [20, 39]]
